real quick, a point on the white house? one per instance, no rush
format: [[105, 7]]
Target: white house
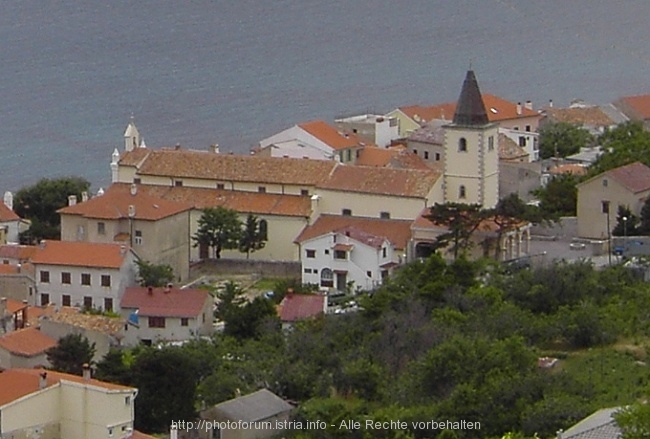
[[527, 140], [371, 128], [25, 348], [10, 220], [83, 274], [166, 314]]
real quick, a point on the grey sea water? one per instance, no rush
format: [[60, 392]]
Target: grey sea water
[[233, 72]]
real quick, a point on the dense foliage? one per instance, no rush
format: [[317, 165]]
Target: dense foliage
[[562, 139], [154, 275], [70, 354], [438, 341]]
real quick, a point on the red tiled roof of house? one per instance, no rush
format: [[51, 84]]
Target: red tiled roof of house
[[244, 202], [635, 177], [80, 254], [413, 183], [509, 150], [590, 116], [397, 232], [295, 307], [395, 157], [13, 306], [115, 202], [73, 317], [226, 167], [7, 214], [639, 104], [26, 342], [19, 252], [139, 435], [329, 135], [568, 168], [9, 269], [159, 303], [135, 157], [16, 383], [498, 109]]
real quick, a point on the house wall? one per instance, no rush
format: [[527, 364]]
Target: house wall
[[126, 174], [9, 360], [103, 342], [19, 286], [297, 133], [247, 433], [296, 151], [405, 124], [369, 205], [40, 410], [592, 222], [429, 152], [477, 169], [520, 123], [529, 141], [120, 280], [13, 229], [519, 178]]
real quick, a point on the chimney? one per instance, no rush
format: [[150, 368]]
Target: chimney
[[100, 192], [42, 380], [41, 244], [177, 147], [122, 250], [550, 103], [289, 292], [150, 291], [518, 108], [559, 434], [9, 200], [84, 196], [3, 306], [131, 211], [528, 105], [168, 288], [214, 148], [72, 200], [86, 371], [173, 433], [134, 188]]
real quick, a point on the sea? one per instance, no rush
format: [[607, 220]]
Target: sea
[[232, 72]]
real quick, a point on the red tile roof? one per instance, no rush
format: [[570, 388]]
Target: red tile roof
[[16, 383], [396, 157], [225, 167], [635, 177], [139, 435], [590, 116], [7, 214], [509, 150], [640, 106], [9, 269], [80, 254], [135, 157], [359, 235], [243, 202], [19, 252], [498, 109], [295, 307], [115, 202], [413, 183], [398, 232], [330, 135], [568, 168], [158, 303], [26, 342], [13, 306]]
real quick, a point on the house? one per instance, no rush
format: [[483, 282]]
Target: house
[[316, 140], [397, 157], [13, 315], [337, 250], [166, 314], [10, 222], [592, 118], [600, 196], [25, 348], [372, 129], [636, 108], [17, 281], [500, 111], [599, 425], [262, 412], [428, 142], [586, 156], [155, 228], [83, 274], [528, 141], [44, 403]]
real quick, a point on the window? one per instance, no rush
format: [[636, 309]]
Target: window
[[384, 215], [346, 212], [327, 252], [137, 180], [106, 280], [156, 322], [45, 277], [66, 278], [221, 186], [349, 155], [101, 228], [45, 299], [138, 237], [426, 155], [178, 183], [326, 278], [383, 252], [369, 273], [528, 128], [108, 304], [304, 192], [516, 128], [311, 253], [605, 206], [462, 145], [185, 321], [65, 300], [491, 143], [415, 151], [307, 270], [146, 341], [522, 141], [605, 182], [437, 156], [462, 193], [358, 153], [261, 189], [340, 254], [88, 302], [85, 278], [264, 229], [127, 400]]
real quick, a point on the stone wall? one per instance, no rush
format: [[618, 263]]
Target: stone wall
[[243, 266]]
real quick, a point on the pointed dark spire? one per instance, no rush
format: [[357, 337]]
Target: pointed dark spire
[[470, 110]]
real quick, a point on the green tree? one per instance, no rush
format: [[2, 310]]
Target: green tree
[[242, 319], [70, 354], [113, 368], [559, 197], [644, 219], [634, 421], [39, 204], [154, 275], [253, 236], [626, 222], [219, 229], [460, 219], [562, 139], [627, 143]]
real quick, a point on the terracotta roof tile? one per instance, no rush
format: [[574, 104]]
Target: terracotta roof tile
[[370, 239], [139, 435], [115, 202], [8, 269], [72, 316], [432, 133], [295, 307], [330, 135], [590, 116], [158, 303], [635, 176], [7, 214], [197, 164], [509, 150], [80, 254], [19, 252], [135, 157], [243, 202], [26, 342], [382, 181], [13, 306], [398, 232], [395, 157], [569, 168], [640, 106]]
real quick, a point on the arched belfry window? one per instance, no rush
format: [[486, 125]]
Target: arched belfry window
[[462, 144], [264, 229], [462, 192]]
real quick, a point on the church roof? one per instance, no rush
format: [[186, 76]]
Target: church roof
[[470, 110]]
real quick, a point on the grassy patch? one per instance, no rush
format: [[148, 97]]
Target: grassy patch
[[266, 284]]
